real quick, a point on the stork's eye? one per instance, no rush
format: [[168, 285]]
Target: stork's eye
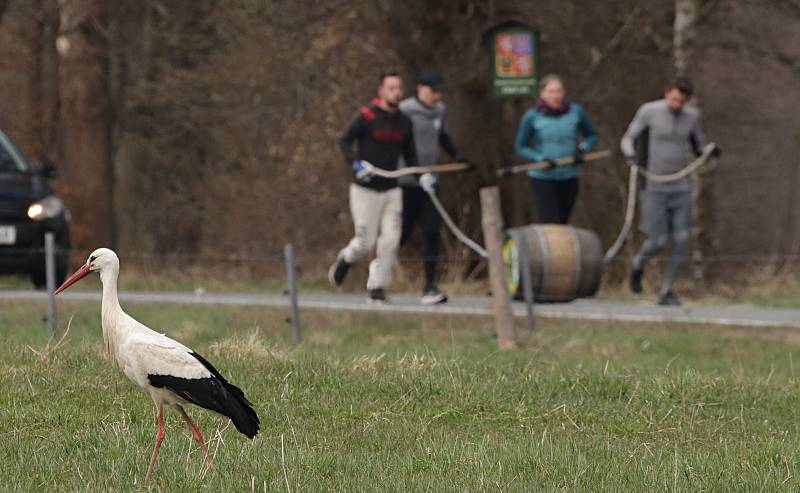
[[92, 258]]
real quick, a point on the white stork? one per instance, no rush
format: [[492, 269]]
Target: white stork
[[171, 373]]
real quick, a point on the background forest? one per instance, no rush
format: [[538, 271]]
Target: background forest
[[206, 129]]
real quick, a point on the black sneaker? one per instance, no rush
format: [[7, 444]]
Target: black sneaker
[[377, 295], [432, 296], [337, 272], [635, 280], [669, 299]]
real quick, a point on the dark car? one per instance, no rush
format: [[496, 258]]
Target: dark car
[[28, 209]]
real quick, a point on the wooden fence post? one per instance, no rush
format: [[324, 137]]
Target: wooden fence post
[[492, 222]]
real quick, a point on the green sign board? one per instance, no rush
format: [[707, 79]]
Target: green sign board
[[515, 61]]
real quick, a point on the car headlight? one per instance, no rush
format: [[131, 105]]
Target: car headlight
[[47, 208]]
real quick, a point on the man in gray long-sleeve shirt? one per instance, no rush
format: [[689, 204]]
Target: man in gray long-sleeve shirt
[[666, 126], [427, 112]]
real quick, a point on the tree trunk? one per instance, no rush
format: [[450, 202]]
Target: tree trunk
[[43, 80], [85, 121], [686, 17], [683, 34]]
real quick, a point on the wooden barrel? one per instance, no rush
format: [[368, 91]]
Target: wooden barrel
[[565, 262]]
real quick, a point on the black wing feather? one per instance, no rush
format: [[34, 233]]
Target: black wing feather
[[214, 393]]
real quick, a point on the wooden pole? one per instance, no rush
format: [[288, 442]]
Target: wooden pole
[[564, 161], [492, 222]]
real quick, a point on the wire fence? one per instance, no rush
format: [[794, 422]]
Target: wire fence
[[459, 268], [275, 257], [276, 278], [459, 274]]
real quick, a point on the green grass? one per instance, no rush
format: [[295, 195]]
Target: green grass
[[391, 403]]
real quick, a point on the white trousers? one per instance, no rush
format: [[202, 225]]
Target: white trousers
[[377, 217]]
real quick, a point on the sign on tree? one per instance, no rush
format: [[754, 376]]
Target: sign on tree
[[515, 60]]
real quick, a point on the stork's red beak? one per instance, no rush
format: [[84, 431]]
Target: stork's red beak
[[77, 276]]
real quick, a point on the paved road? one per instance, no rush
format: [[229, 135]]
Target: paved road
[[740, 315]]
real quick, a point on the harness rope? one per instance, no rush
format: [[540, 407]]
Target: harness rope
[[450, 224], [633, 182], [435, 168], [630, 208]]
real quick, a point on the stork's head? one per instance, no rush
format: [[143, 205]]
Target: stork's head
[[101, 260]]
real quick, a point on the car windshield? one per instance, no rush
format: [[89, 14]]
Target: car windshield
[[11, 159]]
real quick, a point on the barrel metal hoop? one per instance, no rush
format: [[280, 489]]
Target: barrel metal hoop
[[578, 259], [545, 256], [599, 264]]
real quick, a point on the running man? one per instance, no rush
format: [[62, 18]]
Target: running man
[[427, 113], [381, 134], [667, 126]]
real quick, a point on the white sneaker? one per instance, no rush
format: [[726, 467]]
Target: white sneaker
[[433, 296]]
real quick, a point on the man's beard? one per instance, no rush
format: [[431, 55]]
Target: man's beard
[[393, 104]]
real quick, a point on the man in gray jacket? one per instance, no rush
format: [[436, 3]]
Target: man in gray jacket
[[427, 113], [666, 127]]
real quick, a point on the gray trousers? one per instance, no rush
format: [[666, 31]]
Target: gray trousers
[[377, 217], [665, 215]]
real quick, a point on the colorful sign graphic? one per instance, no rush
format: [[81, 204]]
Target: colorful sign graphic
[[514, 60]]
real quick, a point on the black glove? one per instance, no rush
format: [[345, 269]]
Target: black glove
[[578, 157], [716, 152], [551, 163]]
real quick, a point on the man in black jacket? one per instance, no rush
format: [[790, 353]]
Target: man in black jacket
[[381, 134]]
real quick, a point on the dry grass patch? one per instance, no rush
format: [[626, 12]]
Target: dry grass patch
[[366, 363], [412, 362], [253, 344]]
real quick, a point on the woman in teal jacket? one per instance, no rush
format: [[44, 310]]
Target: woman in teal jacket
[[554, 128]]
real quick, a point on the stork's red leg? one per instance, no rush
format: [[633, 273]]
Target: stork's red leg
[[196, 433], [159, 438]]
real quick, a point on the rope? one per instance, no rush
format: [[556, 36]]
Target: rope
[[434, 168], [630, 209], [450, 224], [689, 169]]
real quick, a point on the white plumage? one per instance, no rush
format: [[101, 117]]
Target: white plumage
[[171, 373], [143, 354]]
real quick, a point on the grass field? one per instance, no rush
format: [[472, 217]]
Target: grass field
[[390, 403]]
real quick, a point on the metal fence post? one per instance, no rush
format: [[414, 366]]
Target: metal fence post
[[527, 282], [288, 253], [50, 279]]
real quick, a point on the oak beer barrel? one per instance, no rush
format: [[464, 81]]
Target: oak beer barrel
[[565, 262]]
